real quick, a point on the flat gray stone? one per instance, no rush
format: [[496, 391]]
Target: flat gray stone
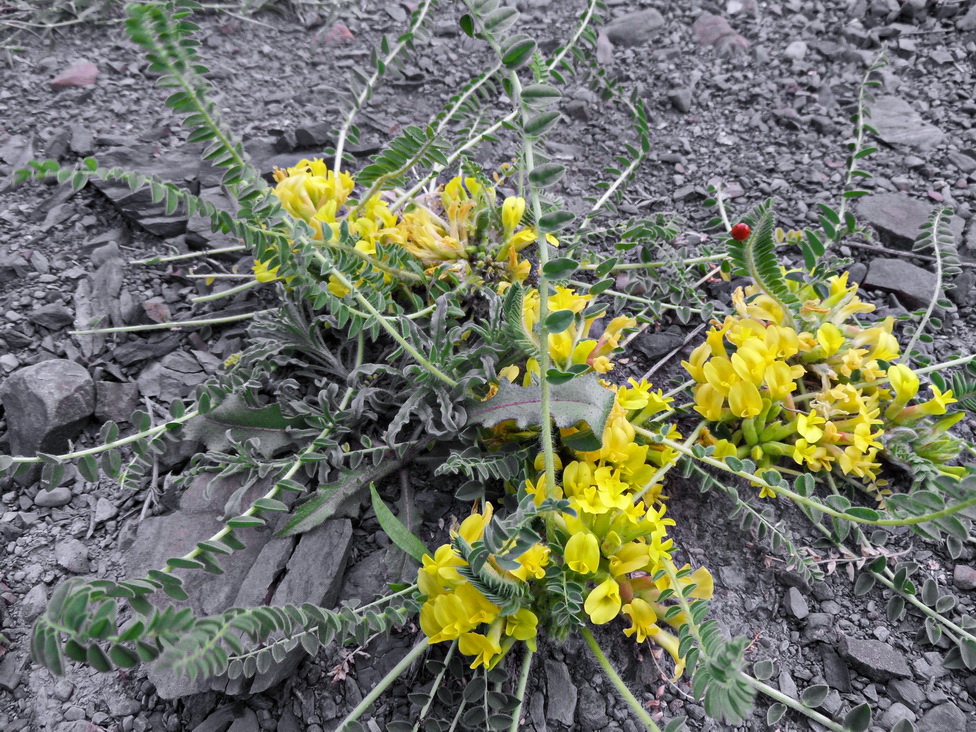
[[874, 659], [53, 316], [898, 123], [561, 693], [942, 718], [46, 405], [898, 218], [11, 667], [634, 29], [115, 401], [796, 604], [592, 710], [72, 555], [33, 603], [968, 21], [907, 692], [964, 577], [836, 673], [913, 285], [54, 498]]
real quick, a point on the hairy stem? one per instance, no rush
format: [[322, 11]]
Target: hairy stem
[[383, 685], [618, 682], [523, 680]]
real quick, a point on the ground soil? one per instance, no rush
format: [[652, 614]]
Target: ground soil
[[758, 112]]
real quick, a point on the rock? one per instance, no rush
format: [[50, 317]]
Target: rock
[[561, 693], [655, 345], [81, 73], [962, 292], [72, 555], [796, 50], [46, 405], [968, 21], [198, 227], [896, 713], [898, 123], [907, 692], [537, 711], [964, 577], [288, 722], [634, 29], [913, 285], [681, 99], [715, 31], [856, 273], [105, 510], [219, 720], [874, 659], [592, 709], [836, 673], [796, 604], [247, 722], [945, 717], [11, 667], [33, 603], [115, 401], [174, 377], [787, 685], [965, 163], [81, 143], [54, 498], [897, 218], [314, 574], [54, 316]]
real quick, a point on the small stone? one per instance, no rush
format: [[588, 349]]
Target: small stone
[[33, 603], [72, 555], [836, 673], [54, 498], [913, 285], [796, 604], [681, 99], [898, 123], [82, 73], [907, 692], [634, 29], [74, 714], [873, 659], [115, 401], [561, 694], [796, 50], [964, 577], [942, 718], [968, 21], [592, 709], [964, 162], [105, 510], [962, 290], [787, 685], [63, 690], [81, 143], [54, 316], [11, 666]]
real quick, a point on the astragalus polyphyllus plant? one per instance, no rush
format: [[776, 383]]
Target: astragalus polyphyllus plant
[[423, 306]]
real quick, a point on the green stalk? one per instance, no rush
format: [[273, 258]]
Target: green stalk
[[907, 353], [250, 285], [382, 686], [414, 353], [191, 255], [948, 511], [790, 702], [618, 682], [435, 686], [656, 265], [520, 689], [174, 324], [637, 298], [20, 460]]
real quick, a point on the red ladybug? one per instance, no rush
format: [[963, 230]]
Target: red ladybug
[[740, 232]]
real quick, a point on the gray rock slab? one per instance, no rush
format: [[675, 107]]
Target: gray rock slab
[[796, 604], [964, 577], [561, 693], [115, 401], [913, 285], [11, 668], [46, 405], [33, 603], [945, 717], [72, 555], [898, 123], [898, 218], [874, 659], [54, 498], [314, 574], [593, 709], [53, 316], [634, 29]]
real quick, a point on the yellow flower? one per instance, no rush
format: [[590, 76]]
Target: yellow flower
[[473, 526], [628, 558], [643, 619], [532, 563], [603, 602], [484, 648], [439, 571], [808, 425], [582, 553], [779, 379], [904, 381], [262, 273], [696, 361], [513, 209], [749, 363], [745, 400], [445, 617], [709, 402], [523, 626], [720, 374], [830, 338]]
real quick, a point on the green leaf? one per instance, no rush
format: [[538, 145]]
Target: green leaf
[[858, 719], [546, 174], [394, 528], [582, 399], [98, 660], [122, 656], [266, 424], [560, 320], [467, 25], [560, 269], [775, 713], [88, 467], [813, 696], [763, 669], [554, 221], [539, 96], [541, 123], [517, 52], [864, 584]]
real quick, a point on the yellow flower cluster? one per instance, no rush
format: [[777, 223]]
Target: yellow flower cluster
[[614, 542], [816, 388], [447, 231]]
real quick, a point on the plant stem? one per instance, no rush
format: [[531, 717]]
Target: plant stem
[[790, 702], [414, 353], [936, 221], [810, 503], [17, 460], [618, 682], [637, 298], [227, 293], [656, 265], [520, 689], [435, 686], [382, 686], [174, 324], [190, 255]]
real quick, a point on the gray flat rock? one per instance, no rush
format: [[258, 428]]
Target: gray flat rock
[[913, 285], [898, 123], [876, 660], [898, 218]]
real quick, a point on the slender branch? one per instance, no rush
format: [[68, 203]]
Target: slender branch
[[618, 683], [382, 686], [657, 265], [190, 255], [520, 689], [939, 216], [790, 702], [227, 293], [175, 324]]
